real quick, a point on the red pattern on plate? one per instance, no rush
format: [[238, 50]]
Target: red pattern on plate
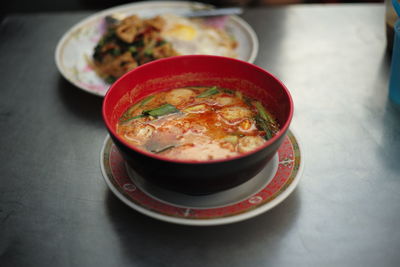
[[289, 162]]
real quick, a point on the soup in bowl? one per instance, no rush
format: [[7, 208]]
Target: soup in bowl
[[197, 124]]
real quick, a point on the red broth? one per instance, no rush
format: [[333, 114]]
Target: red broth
[[197, 123]]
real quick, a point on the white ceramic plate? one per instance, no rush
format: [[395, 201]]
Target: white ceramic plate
[[258, 195], [76, 46]]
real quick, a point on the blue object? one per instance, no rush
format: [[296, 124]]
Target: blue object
[[394, 83], [396, 7]]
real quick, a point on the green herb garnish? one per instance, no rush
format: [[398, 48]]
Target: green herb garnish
[[132, 49], [115, 52], [263, 125], [228, 91], [127, 115], [212, 91], [162, 110], [146, 100], [263, 113], [148, 52], [161, 42], [265, 121], [138, 43], [110, 79]]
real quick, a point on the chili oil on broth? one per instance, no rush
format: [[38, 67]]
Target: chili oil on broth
[[197, 123]]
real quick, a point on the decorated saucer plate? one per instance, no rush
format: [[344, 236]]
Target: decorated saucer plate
[[267, 189]]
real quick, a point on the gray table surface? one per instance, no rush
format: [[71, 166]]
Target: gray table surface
[[56, 210]]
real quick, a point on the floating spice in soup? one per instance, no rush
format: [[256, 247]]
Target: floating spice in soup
[[197, 123]]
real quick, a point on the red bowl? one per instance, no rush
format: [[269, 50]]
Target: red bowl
[[195, 177]]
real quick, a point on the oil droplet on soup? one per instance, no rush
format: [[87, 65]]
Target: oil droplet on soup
[[197, 123]]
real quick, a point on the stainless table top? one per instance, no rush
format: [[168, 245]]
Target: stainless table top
[[55, 209]]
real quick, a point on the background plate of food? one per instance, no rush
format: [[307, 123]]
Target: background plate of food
[[98, 50]]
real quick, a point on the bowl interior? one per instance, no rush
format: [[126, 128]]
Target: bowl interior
[[182, 71]]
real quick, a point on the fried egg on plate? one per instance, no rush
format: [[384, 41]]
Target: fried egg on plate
[[193, 37]]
